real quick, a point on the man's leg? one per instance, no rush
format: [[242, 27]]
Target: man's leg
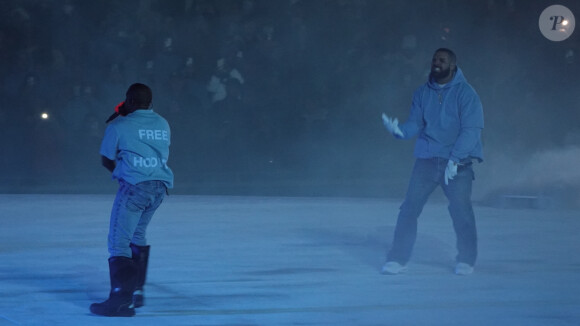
[[458, 193], [122, 269], [125, 216], [424, 179], [152, 194], [155, 190]]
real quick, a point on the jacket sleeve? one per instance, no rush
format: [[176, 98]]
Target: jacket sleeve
[[471, 119], [415, 122]]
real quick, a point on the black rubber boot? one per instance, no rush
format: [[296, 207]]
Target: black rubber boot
[[141, 259], [123, 273]]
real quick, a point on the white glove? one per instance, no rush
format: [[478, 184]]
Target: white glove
[[450, 171], [392, 126]]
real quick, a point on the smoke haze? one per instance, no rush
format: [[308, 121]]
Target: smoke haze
[[283, 97]]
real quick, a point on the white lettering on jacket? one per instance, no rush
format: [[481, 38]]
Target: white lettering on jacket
[[153, 134], [148, 162]]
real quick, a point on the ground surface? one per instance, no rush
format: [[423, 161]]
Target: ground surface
[[288, 261]]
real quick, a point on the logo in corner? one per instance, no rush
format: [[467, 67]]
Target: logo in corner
[[557, 23]]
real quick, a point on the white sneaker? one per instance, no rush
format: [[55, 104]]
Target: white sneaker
[[392, 268], [463, 269]]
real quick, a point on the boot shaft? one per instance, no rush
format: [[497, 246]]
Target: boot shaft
[[123, 274], [141, 260]]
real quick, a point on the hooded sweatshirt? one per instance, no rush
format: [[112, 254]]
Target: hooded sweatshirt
[[447, 120]]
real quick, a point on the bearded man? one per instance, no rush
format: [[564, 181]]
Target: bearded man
[[447, 119]]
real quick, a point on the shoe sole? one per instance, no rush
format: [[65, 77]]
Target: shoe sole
[[387, 272]]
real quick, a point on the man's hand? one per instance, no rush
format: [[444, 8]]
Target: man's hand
[[450, 171], [392, 126]]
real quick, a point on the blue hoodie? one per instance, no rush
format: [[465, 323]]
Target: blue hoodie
[[448, 120]]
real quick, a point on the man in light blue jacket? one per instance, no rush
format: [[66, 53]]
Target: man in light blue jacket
[[447, 119], [135, 149]]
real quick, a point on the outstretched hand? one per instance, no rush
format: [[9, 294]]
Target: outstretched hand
[[392, 126]]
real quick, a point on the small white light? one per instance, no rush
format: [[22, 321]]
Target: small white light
[[44, 115], [565, 22]]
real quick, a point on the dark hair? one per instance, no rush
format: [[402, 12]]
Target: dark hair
[[452, 56], [140, 94]]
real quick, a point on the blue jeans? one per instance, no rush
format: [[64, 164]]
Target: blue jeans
[[133, 209], [426, 176]]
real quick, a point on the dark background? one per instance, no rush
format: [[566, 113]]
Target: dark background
[[304, 118]]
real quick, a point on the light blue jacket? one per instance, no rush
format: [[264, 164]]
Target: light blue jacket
[[139, 144], [448, 121]]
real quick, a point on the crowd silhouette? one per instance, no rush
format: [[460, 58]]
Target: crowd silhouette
[[257, 89]]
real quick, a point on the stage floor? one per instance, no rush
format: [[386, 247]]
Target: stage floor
[[288, 261]]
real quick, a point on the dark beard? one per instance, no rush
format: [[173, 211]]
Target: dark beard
[[441, 75]]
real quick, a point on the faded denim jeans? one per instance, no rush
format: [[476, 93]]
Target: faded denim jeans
[[426, 176], [132, 211]]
